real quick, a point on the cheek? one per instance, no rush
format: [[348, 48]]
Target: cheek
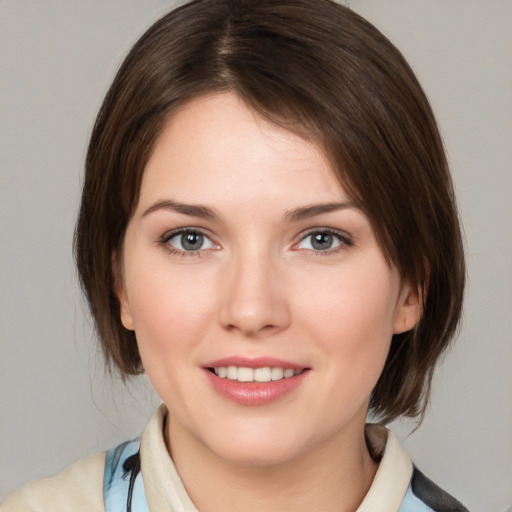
[[170, 319], [167, 306], [350, 315], [353, 299]]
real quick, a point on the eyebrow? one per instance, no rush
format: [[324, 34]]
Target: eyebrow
[[193, 210], [203, 212], [307, 212]]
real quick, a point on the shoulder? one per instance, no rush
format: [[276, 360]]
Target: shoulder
[[78, 488], [398, 484], [423, 495]]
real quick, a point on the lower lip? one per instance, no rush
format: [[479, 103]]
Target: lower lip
[[255, 393]]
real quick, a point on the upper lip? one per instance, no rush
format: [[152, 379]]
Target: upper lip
[[253, 362]]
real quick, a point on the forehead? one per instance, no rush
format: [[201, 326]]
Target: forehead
[[216, 144]]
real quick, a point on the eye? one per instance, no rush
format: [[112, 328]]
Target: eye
[[189, 240], [323, 241]]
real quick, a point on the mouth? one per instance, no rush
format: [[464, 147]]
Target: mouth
[[262, 374], [256, 380]]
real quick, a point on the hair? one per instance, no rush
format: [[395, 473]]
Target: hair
[[318, 69]]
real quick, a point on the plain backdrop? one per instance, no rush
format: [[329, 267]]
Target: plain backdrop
[[57, 58]]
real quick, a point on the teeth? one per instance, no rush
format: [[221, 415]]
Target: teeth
[[232, 373], [264, 374], [277, 373], [245, 375]]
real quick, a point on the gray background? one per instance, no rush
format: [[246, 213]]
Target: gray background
[[57, 59]]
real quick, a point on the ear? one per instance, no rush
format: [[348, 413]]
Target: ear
[[125, 311], [409, 308]]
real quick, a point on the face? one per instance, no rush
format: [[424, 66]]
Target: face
[[262, 304]]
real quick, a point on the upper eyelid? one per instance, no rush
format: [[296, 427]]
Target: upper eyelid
[[165, 239], [332, 231], [345, 239], [192, 229]]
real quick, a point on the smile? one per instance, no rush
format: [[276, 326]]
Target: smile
[[255, 385], [263, 374]]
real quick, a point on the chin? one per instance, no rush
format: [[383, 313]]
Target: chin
[[258, 455], [258, 445]]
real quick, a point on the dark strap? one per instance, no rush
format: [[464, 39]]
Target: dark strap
[[432, 495], [123, 486], [131, 465]]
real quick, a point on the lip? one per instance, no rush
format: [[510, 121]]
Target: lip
[[254, 393], [254, 362]]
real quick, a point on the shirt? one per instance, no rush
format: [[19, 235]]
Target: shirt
[[142, 471]]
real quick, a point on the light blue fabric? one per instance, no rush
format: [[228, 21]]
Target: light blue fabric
[[116, 480], [412, 504]]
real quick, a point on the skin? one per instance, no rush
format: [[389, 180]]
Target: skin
[[258, 287]]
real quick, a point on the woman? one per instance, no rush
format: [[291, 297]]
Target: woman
[[268, 229]]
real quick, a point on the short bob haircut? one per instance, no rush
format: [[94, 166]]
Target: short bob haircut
[[321, 71]]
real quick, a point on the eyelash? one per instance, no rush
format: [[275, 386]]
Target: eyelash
[[189, 230], [344, 241]]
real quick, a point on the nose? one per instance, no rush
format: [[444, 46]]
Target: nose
[[254, 296]]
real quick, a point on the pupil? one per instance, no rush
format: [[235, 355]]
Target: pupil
[[322, 241], [192, 241]]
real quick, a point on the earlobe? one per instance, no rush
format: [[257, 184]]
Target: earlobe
[[125, 311], [120, 291], [409, 309]]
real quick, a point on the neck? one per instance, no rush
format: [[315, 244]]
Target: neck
[[332, 476]]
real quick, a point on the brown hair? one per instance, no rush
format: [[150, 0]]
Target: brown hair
[[320, 70]]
